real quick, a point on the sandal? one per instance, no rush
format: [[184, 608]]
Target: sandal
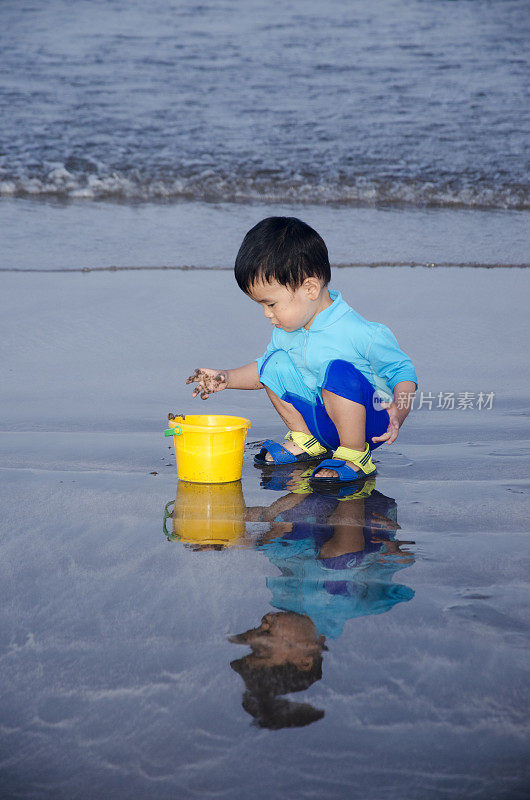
[[280, 480], [280, 455], [345, 474]]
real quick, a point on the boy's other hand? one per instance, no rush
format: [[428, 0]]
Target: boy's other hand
[[208, 381], [393, 426]]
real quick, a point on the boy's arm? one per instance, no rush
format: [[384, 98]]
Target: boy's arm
[[404, 392], [210, 381], [388, 361], [246, 377], [269, 513]]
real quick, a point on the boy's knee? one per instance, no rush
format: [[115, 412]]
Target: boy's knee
[[341, 375], [278, 363]]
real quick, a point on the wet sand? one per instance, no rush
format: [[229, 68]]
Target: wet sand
[[57, 235], [114, 641]]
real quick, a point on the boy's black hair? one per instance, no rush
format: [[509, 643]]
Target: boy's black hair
[[275, 713], [278, 679], [265, 685], [283, 249]]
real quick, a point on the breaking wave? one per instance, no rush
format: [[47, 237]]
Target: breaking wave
[[215, 186]]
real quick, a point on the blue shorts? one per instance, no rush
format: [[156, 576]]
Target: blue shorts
[[279, 373]]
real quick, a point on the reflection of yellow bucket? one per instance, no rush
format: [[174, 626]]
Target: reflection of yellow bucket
[[208, 447], [212, 514]]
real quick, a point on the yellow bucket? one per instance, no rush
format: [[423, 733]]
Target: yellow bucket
[[208, 447], [207, 515]]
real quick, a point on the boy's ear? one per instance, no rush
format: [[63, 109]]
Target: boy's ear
[[312, 286], [304, 663]]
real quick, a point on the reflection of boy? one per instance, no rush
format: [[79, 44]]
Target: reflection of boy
[[286, 657], [337, 559]]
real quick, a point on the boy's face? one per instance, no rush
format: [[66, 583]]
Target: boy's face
[[282, 638], [287, 308]]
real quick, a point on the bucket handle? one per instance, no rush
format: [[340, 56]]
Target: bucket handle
[[176, 431], [167, 515]]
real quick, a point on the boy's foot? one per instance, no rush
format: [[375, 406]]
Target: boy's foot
[[346, 466], [326, 472], [292, 447], [297, 447]]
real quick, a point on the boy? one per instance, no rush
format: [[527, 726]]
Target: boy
[[326, 368]]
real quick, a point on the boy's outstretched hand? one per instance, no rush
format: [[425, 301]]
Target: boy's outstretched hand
[[208, 381]]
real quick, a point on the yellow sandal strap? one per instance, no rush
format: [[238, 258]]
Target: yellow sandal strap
[[359, 458], [302, 485], [308, 443], [365, 491]]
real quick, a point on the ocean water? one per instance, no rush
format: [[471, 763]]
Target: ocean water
[[401, 102]]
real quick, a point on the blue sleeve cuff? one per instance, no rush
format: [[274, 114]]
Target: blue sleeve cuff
[[404, 375]]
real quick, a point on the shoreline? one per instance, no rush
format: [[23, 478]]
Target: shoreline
[[190, 268]]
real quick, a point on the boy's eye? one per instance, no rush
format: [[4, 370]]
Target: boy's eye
[[271, 305]]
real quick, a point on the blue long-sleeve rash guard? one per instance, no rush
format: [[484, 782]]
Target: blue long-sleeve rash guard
[[339, 332]]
